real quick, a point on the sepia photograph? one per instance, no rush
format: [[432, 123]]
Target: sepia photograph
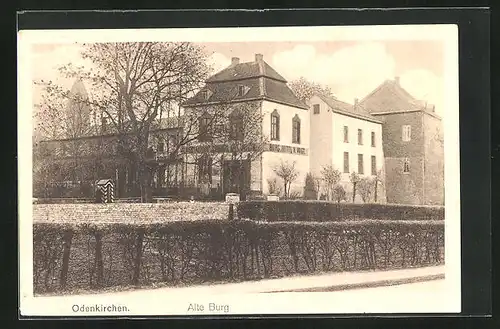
[[220, 171]]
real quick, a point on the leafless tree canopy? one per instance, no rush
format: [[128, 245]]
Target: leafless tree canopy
[[305, 89], [331, 176], [288, 173], [136, 85]]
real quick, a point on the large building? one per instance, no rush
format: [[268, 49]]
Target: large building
[[248, 123], [346, 137], [412, 137], [257, 94]]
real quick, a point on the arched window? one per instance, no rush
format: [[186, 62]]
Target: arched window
[[236, 129], [275, 126], [296, 129]]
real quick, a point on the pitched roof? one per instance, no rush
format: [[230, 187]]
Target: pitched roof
[[245, 71], [259, 80], [347, 109], [389, 96]]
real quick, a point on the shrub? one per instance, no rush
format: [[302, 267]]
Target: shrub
[[321, 211], [310, 192], [71, 255], [273, 186], [339, 193]]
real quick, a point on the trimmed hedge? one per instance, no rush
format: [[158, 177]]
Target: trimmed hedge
[[71, 256], [324, 211]]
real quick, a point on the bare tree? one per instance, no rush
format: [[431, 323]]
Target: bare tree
[[377, 179], [62, 116], [232, 135], [288, 173], [305, 89], [273, 186], [136, 83], [365, 188], [331, 177], [354, 178], [339, 193]]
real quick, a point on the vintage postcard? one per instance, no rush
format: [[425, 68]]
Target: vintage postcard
[[239, 171]]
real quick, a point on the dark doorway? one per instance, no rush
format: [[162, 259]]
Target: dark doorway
[[236, 177]]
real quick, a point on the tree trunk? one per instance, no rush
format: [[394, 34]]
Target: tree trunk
[[353, 192], [376, 189], [67, 238], [99, 259], [145, 178]]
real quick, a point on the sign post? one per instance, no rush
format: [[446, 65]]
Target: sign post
[[232, 198]]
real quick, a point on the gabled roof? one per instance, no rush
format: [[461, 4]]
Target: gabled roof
[[246, 71], [259, 80], [347, 109]]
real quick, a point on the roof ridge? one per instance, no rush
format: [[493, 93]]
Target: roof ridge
[[350, 108]]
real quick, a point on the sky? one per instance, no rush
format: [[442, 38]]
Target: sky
[[352, 69]]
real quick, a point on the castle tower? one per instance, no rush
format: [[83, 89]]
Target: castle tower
[[78, 110]]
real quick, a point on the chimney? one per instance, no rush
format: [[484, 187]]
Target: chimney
[[259, 58], [355, 104], [396, 80], [235, 61]]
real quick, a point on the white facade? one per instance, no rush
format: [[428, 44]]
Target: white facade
[[272, 159], [328, 145]]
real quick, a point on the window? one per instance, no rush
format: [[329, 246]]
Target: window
[[346, 162], [406, 165], [316, 108], [275, 126], [296, 129], [236, 126], [161, 147], [172, 142], [205, 94], [346, 134], [374, 165], [205, 169], [241, 90], [360, 137], [406, 133], [373, 139], [204, 134], [361, 169]]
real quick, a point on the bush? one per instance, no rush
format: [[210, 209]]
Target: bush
[[71, 256], [321, 211], [310, 192]]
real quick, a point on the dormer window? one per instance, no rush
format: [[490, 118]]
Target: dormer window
[[241, 90], [161, 147], [205, 94]]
